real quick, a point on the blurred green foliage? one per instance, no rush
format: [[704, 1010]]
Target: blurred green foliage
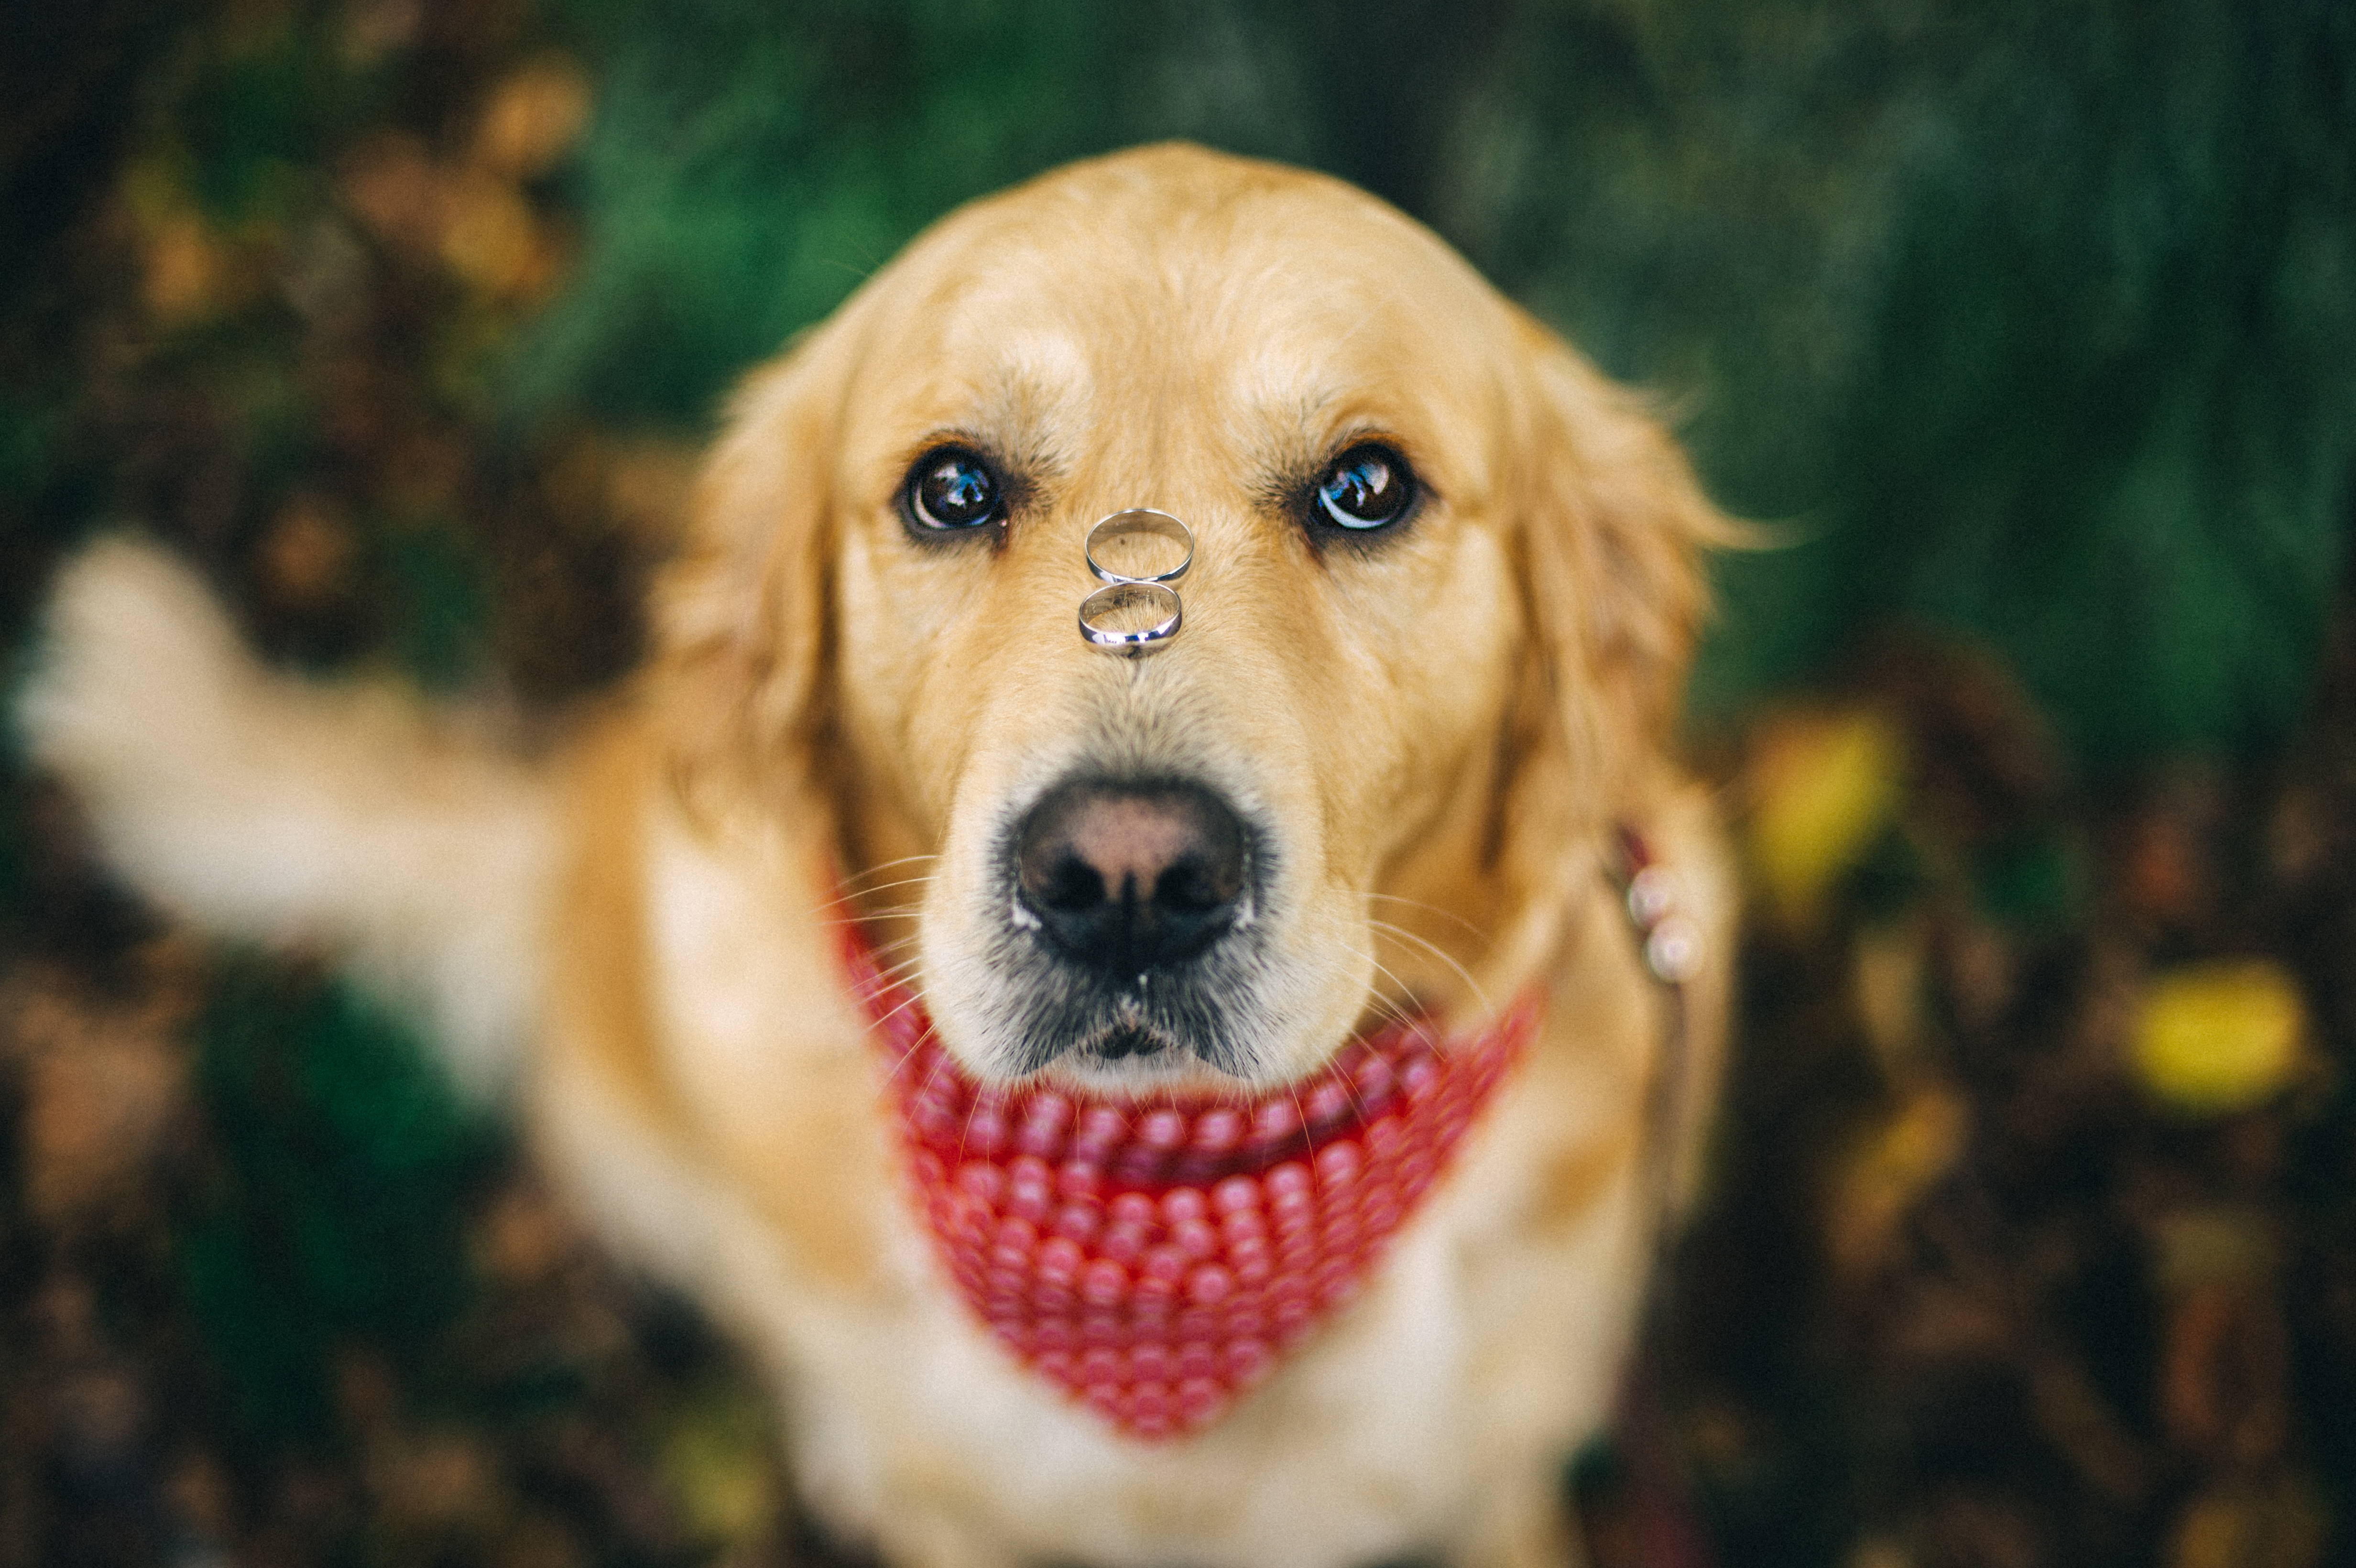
[[335, 1216]]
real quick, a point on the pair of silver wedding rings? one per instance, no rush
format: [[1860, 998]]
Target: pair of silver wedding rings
[[1123, 594]]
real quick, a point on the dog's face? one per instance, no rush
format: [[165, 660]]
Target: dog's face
[[1442, 590]]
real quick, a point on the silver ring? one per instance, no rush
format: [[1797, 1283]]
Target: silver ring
[[1139, 521], [1131, 591]]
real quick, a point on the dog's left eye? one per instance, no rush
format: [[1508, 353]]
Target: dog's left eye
[[950, 490], [1367, 487]]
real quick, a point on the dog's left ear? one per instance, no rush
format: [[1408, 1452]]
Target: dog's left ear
[[1613, 528], [741, 617]]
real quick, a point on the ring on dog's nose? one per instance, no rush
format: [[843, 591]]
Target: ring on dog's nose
[[1098, 608], [1139, 520]]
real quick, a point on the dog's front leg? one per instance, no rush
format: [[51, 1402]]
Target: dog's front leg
[[922, 1537], [1522, 1523]]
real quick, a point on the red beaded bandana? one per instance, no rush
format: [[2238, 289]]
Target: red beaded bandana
[[1153, 1259]]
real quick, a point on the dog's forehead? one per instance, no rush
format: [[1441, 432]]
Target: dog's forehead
[[1291, 296]]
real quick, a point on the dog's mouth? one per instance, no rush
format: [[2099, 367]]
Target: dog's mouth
[[1124, 1040]]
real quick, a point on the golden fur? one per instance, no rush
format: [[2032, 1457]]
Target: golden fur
[[1439, 731]]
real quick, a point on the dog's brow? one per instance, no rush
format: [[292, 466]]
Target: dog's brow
[[1025, 406]]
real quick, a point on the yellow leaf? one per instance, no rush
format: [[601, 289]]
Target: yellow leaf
[[1892, 1168], [1822, 786], [716, 1457], [534, 117], [2214, 1039]]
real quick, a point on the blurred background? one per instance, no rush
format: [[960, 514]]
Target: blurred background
[[2028, 328]]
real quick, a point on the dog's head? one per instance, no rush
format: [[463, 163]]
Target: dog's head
[[1445, 587]]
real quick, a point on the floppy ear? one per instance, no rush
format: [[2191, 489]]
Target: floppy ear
[[1613, 528], [741, 617]]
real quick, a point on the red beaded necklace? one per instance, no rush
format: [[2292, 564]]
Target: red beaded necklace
[[1153, 1259]]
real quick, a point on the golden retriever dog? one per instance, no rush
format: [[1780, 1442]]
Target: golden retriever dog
[[1211, 1101]]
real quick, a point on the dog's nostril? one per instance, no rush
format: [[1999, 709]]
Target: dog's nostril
[[1126, 877], [1073, 886]]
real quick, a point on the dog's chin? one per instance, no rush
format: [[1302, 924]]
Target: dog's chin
[[1170, 1071]]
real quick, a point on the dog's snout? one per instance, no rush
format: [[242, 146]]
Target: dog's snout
[[1130, 878]]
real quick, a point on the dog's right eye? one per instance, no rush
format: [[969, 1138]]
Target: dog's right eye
[[950, 490]]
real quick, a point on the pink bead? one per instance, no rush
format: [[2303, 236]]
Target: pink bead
[[1295, 1220], [1256, 1270], [1218, 1130], [1181, 1204], [1102, 1129], [1195, 1237], [1420, 1076], [1060, 1260], [1199, 1398], [1236, 1195], [1045, 1142], [1048, 1109], [1326, 1104], [1163, 1130], [1289, 1179], [1030, 1188], [1339, 1292], [1154, 1361], [1210, 1284], [1055, 1336], [986, 1132], [1104, 1283], [1338, 1164], [1079, 1178], [1137, 1208], [1080, 1221], [1243, 1319], [1385, 1136], [1124, 1242], [981, 1181], [1243, 1223], [1249, 1360], [1165, 1262], [1275, 1121]]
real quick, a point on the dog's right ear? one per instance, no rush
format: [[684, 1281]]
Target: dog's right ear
[[741, 617]]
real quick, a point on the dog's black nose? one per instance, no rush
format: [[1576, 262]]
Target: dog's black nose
[[1127, 878]]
